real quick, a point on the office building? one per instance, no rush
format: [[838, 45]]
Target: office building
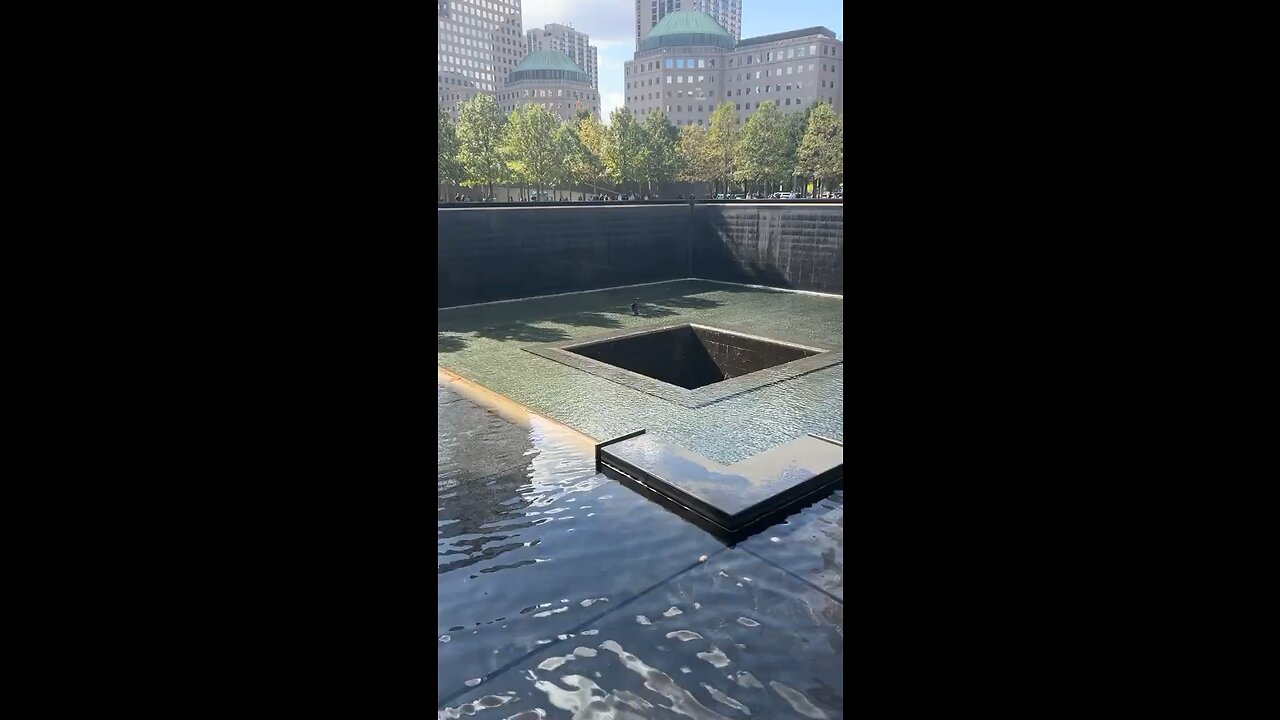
[[552, 79], [569, 41], [727, 14], [479, 43], [687, 64]]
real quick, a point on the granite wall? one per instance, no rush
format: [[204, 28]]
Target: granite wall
[[505, 253], [502, 253], [799, 247]]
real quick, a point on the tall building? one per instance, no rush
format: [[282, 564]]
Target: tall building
[[552, 79], [479, 44], [565, 39], [687, 64], [727, 13]]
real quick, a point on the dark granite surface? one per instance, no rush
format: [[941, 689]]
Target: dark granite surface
[[731, 496], [642, 360], [499, 253]]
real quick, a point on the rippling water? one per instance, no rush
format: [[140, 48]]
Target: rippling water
[[564, 594]]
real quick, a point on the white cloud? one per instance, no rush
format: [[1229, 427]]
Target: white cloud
[[606, 21], [609, 101]]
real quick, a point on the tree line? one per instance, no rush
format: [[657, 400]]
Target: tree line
[[532, 148]]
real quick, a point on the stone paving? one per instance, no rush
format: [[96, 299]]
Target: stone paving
[[485, 345]]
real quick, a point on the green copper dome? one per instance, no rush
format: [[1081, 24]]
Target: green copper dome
[[690, 28], [547, 65]]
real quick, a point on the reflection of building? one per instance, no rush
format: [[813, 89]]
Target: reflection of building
[[479, 42], [568, 41], [688, 64], [550, 78], [727, 14]]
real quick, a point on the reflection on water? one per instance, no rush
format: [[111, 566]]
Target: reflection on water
[[534, 558], [786, 664]]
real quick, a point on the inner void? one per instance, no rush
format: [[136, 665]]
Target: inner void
[[692, 356]]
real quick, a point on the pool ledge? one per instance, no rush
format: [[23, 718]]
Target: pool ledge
[[728, 500]]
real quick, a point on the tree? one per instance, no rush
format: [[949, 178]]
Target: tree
[[660, 160], [694, 162], [796, 124], [721, 141], [448, 169], [591, 135], [567, 151], [624, 148], [821, 154], [480, 126], [762, 147], [529, 144]]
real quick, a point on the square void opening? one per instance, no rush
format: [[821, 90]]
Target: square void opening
[[691, 356]]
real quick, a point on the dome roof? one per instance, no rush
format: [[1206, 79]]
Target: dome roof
[[547, 65], [687, 27]]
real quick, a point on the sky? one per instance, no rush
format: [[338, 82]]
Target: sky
[[611, 25]]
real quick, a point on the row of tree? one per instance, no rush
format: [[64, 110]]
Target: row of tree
[[530, 147]]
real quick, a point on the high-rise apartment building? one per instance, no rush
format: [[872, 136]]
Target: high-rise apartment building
[[688, 64], [480, 43], [728, 13], [565, 39]]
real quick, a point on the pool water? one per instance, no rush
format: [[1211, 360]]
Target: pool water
[[562, 593]]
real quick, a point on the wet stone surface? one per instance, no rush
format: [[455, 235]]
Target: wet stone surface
[[735, 495], [809, 543], [562, 593], [536, 551], [472, 442], [486, 345], [731, 637]]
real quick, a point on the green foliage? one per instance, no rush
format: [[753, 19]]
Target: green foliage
[[529, 145], [448, 169], [480, 130], [625, 153], [591, 163], [660, 160], [694, 162], [821, 154], [796, 124], [568, 155], [762, 147], [722, 141]]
